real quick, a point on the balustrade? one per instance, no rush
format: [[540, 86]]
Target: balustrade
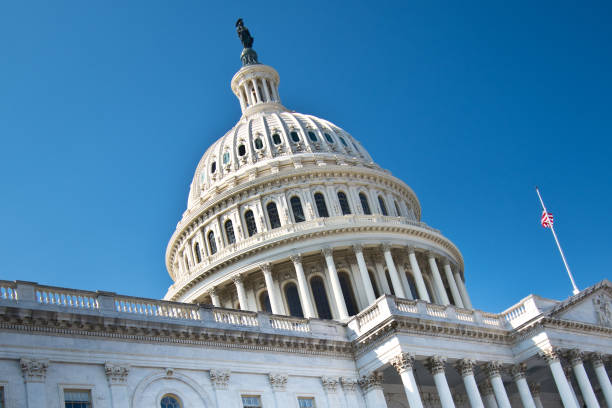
[[147, 307], [8, 290], [64, 297]]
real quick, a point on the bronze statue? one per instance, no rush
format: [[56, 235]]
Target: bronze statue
[[244, 34]]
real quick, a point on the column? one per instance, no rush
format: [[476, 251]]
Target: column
[[117, 374], [257, 95], [214, 297], [242, 99], [267, 271], [330, 385], [241, 293], [278, 382], [518, 375], [602, 376], [349, 385], [464, 294], [305, 301], [436, 367], [452, 284], [535, 392], [264, 84], [437, 278], [568, 375], [466, 369], [403, 363], [371, 385], [418, 277], [365, 276], [575, 357], [488, 396], [34, 374], [402, 274], [493, 369], [220, 380], [335, 283], [551, 357], [248, 94], [395, 279]]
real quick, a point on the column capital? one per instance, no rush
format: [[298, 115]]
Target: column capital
[[403, 362], [411, 249], [34, 370], [330, 383], [278, 382], [237, 279], [212, 291], [597, 359], [266, 267], [575, 356], [550, 355], [485, 387], [430, 255], [296, 258], [349, 384], [371, 381], [493, 368], [446, 262], [386, 247], [358, 248], [116, 373], [327, 251], [518, 371], [535, 389], [436, 364], [465, 367], [219, 378]]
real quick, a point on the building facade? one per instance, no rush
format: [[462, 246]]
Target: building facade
[[303, 277]]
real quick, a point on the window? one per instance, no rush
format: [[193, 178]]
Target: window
[[211, 243], [312, 136], [321, 206], [343, 141], [2, 397], [295, 136], [276, 139], [344, 205], [258, 143], [365, 206], [241, 150], [251, 401], [229, 232], [374, 284], [273, 215], [170, 401], [298, 211], [213, 167], [347, 292], [196, 249], [383, 206], [328, 138], [264, 302], [226, 157], [77, 398], [306, 402], [293, 300], [320, 298], [397, 210], [250, 223]]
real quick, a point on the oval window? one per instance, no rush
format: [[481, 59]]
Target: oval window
[[241, 150], [213, 167], [226, 157], [294, 136], [343, 141], [258, 143], [312, 136], [328, 138], [276, 139]]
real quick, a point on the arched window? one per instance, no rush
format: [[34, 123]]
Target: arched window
[[328, 138], [347, 292], [213, 167], [383, 206], [264, 302], [389, 282], [276, 139], [196, 249], [226, 157], [241, 150], [344, 205], [412, 285], [258, 143], [293, 300], [296, 208], [273, 215], [321, 206], [170, 401], [295, 136], [211, 242], [374, 284], [250, 223], [312, 136], [320, 297], [365, 206], [397, 209], [229, 232], [343, 141]]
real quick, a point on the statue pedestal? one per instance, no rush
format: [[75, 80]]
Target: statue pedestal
[[249, 57]]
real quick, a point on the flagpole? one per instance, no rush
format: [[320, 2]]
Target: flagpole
[[552, 228]]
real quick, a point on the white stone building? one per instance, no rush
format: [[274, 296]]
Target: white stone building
[[303, 277]]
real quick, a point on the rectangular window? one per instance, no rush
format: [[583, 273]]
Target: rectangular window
[[306, 402], [77, 398], [251, 401], [2, 397]]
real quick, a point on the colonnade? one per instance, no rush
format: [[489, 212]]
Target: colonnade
[[397, 282], [257, 90]]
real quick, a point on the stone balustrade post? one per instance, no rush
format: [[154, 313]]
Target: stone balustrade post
[[552, 358], [436, 365], [305, 300], [602, 376], [404, 363], [35, 374], [117, 374], [371, 385], [335, 283], [106, 301], [418, 276], [465, 367], [493, 370], [575, 358], [395, 279], [518, 375], [26, 291]]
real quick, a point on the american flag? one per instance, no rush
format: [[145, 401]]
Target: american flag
[[547, 219]]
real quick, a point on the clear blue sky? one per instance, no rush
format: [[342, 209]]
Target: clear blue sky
[[106, 108]]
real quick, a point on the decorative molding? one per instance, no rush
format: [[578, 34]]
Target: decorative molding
[[237, 279], [403, 362], [597, 359], [327, 251], [436, 364], [278, 382], [603, 309], [574, 356], [465, 367], [371, 381], [386, 247], [349, 384], [330, 383], [116, 373], [266, 267], [550, 355], [219, 378], [493, 368], [296, 258], [358, 248], [518, 371], [34, 370]]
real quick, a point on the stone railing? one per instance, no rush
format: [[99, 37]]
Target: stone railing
[[289, 323], [50, 295], [158, 308], [528, 308]]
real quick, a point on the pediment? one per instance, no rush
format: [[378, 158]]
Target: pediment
[[591, 308]]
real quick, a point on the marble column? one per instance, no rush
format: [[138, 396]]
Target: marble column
[[264, 84], [402, 274], [214, 297], [488, 396], [349, 385], [257, 94], [436, 367], [278, 382], [35, 374], [466, 368], [403, 363], [307, 306], [266, 268], [535, 393], [330, 385], [242, 299], [452, 284], [418, 276], [116, 374], [439, 285], [220, 380], [365, 276], [335, 283], [518, 375], [493, 369], [602, 377], [371, 385], [568, 375], [395, 279], [467, 303], [575, 358], [551, 356]]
